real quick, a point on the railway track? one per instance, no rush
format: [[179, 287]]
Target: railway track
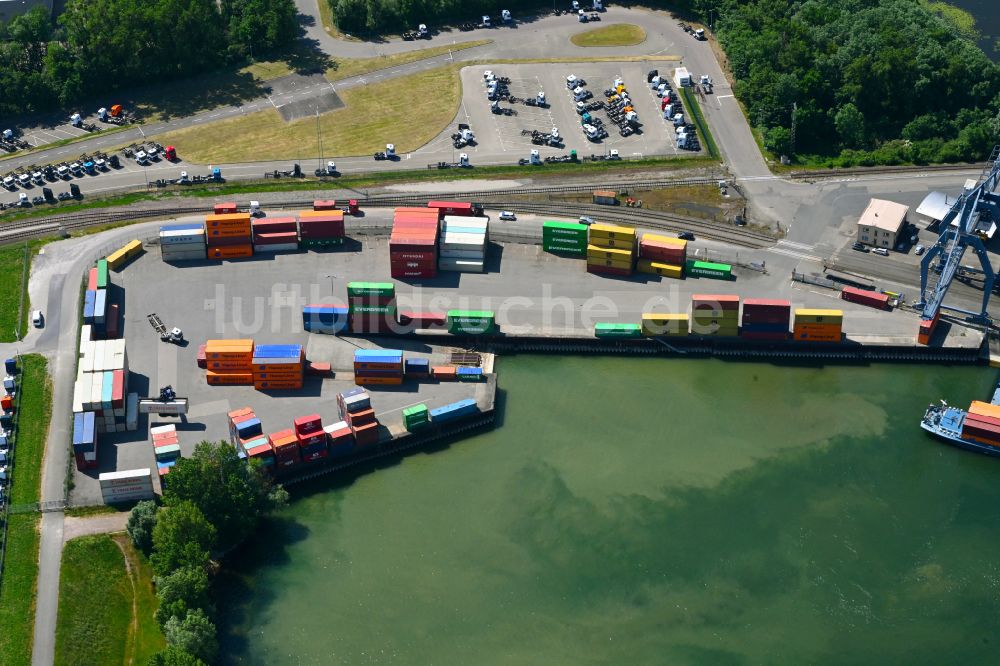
[[867, 171]]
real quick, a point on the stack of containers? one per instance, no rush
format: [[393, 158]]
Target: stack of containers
[[715, 314], [416, 417], [765, 319], [275, 234], [277, 367], [229, 236], [245, 430], [378, 367], [606, 329], [565, 238], [471, 322], [321, 228], [463, 244], [129, 251], [339, 439], [454, 411], [356, 409], [166, 447], [818, 325], [611, 249], [183, 242], [85, 440], [311, 437], [102, 383], [982, 423], [664, 325], [263, 451], [286, 450], [325, 318], [228, 362], [224, 208], [413, 249], [417, 368], [662, 255], [372, 307]]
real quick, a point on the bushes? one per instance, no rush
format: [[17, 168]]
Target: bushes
[[212, 499]]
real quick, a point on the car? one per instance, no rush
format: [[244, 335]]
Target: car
[[586, 219], [686, 235], [881, 251], [919, 250], [507, 216], [860, 247], [37, 320]]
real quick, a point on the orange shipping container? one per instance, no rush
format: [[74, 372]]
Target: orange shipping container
[[228, 232], [243, 411], [444, 372], [228, 378], [283, 439], [818, 329], [817, 337], [226, 219], [985, 409], [277, 386], [230, 252], [322, 214], [378, 381]]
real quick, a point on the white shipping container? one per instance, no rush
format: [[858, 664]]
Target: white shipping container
[[459, 221], [186, 256], [280, 247], [126, 476], [109, 356], [86, 335], [182, 236], [463, 237], [138, 494], [159, 430], [461, 265], [96, 386], [186, 248], [132, 412]]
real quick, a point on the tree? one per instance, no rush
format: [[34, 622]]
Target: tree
[[183, 537], [180, 592], [778, 140], [174, 656], [232, 494], [850, 126], [195, 634], [141, 522]]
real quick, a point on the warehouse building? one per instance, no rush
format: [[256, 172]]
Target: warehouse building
[[881, 223]]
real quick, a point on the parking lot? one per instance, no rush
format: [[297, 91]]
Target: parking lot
[[500, 133]]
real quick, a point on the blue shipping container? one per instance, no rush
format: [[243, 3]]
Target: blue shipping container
[[107, 389], [277, 351], [325, 310], [378, 353], [83, 432], [188, 226], [89, 299], [454, 411], [249, 428], [468, 371], [100, 305]]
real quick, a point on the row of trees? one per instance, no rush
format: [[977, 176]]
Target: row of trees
[[376, 16], [213, 501], [99, 46], [868, 81]]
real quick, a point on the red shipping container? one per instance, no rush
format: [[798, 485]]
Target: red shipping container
[[423, 319], [311, 439], [452, 207], [307, 424], [280, 238], [324, 204], [201, 358], [275, 225], [224, 208], [766, 304], [412, 274], [367, 434], [322, 230], [118, 389], [111, 323], [410, 255], [6, 403], [228, 241], [982, 420], [865, 297], [242, 411], [92, 279], [396, 265]]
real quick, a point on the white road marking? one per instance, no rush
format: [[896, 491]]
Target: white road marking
[[796, 255]]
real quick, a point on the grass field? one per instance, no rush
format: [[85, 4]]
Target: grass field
[[96, 600], [17, 597], [616, 34], [145, 637], [344, 69], [372, 117], [32, 428], [12, 263]]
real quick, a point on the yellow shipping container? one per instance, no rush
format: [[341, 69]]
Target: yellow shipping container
[[658, 268], [121, 256], [619, 254], [656, 324], [612, 231], [610, 263], [812, 316]]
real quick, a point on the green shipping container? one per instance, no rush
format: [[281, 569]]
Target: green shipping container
[[308, 243], [371, 289], [373, 309], [611, 330], [415, 410], [102, 273], [415, 417], [471, 322], [565, 250], [471, 328], [563, 228], [708, 270]]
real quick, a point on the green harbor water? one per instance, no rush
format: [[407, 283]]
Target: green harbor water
[[642, 511]]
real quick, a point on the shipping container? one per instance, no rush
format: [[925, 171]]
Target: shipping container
[[617, 330], [664, 324], [605, 197], [225, 207], [366, 289], [865, 297], [454, 411], [367, 435], [118, 259], [102, 273], [708, 270], [650, 267], [608, 270], [814, 316], [241, 251], [610, 232], [452, 207]]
